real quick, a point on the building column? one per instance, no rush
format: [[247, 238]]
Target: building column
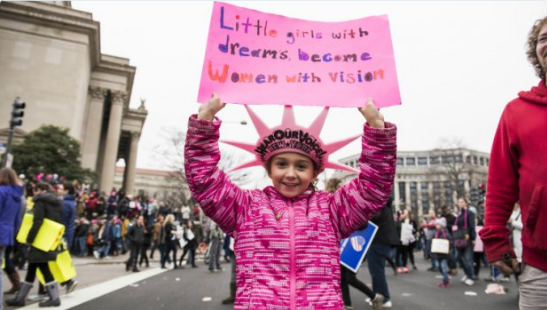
[[420, 199], [408, 201], [112, 142], [131, 164], [92, 130], [397, 195], [431, 197]]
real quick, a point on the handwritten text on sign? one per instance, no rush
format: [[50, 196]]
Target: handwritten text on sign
[[259, 58]]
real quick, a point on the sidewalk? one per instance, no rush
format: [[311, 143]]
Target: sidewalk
[[91, 271], [120, 259]]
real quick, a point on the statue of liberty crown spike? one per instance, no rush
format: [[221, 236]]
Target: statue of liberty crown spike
[[290, 137]]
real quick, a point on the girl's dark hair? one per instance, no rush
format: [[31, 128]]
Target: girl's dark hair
[[69, 187], [44, 186], [531, 45], [29, 189], [333, 184], [8, 176]]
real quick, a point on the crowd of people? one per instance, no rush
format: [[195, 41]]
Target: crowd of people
[[124, 224], [102, 227]]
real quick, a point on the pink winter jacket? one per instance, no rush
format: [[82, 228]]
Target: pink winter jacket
[[288, 250]]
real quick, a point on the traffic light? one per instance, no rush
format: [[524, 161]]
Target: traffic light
[[474, 195], [482, 193], [16, 120], [17, 113]]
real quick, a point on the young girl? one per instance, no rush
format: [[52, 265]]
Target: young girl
[[287, 236], [442, 259]]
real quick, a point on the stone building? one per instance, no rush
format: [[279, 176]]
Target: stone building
[[50, 57], [427, 180], [157, 184]]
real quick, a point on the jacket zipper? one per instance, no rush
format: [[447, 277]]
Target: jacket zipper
[[292, 249]]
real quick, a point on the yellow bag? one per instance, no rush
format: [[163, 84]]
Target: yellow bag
[[49, 236], [3, 263], [62, 268]]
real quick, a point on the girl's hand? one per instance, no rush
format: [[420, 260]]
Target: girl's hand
[[373, 116], [209, 110]]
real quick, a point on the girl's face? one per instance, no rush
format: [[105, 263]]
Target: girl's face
[[291, 173]]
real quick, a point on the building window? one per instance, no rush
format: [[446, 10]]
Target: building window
[[436, 186], [425, 203], [411, 161], [468, 159], [422, 161], [400, 161], [448, 191], [475, 160], [414, 197], [425, 186], [461, 187], [448, 159], [434, 160], [482, 161], [458, 158], [402, 192]]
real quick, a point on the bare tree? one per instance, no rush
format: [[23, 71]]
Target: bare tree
[[453, 167], [171, 153]]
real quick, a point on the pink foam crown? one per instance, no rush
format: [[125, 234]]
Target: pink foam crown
[[290, 137]]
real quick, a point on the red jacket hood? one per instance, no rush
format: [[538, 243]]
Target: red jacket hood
[[538, 94]]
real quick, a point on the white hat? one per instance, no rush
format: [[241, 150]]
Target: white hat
[[441, 221]]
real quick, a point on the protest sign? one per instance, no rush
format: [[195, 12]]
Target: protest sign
[[259, 58], [354, 248]]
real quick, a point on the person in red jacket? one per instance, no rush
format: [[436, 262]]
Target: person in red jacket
[[518, 172]]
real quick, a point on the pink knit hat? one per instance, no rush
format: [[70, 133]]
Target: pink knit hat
[[290, 137]]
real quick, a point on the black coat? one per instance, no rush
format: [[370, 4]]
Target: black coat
[[387, 229], [135, 234], [47, 205]]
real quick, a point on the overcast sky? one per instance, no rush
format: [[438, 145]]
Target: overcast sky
[[458, 64]]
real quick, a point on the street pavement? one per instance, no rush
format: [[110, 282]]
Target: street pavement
[[104, 284]]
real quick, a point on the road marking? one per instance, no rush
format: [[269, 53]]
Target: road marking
[[79, 297]]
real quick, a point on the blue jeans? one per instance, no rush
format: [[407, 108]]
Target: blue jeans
[[164, 255], [465, 258], [104, 249], [80, 242], [443, 268], [376, 259]]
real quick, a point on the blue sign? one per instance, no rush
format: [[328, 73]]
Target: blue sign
[[354, 248]]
